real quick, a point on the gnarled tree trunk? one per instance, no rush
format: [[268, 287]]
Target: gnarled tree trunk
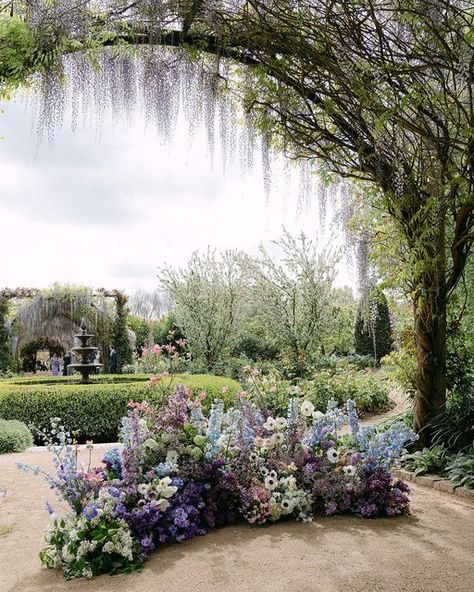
[[430, 338], [430, 333]]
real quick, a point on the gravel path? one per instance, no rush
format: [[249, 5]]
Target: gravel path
[[430, 551]]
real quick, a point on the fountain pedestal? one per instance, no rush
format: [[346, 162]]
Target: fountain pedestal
[[85, 352]]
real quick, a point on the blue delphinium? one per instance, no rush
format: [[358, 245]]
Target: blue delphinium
[[353, 418], [214, 429], [382, 449], [335, 417], [113, 461]]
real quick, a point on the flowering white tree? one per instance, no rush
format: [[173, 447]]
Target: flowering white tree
[[209, 296], [293, 293]]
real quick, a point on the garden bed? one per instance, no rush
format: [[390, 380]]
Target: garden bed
[[183, 472]]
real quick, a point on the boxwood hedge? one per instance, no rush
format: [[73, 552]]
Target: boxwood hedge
[[14, 436], [94, 410]]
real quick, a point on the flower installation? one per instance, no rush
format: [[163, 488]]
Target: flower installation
[[181, 473]]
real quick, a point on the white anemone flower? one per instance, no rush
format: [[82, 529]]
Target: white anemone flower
[[271, 483], [165, 489], [287, 505], [307, 408], [172, 457], [264, 471], [333, 455], [281, 423], [143, 488], [349, 470], [317, 414], [269, 424], [253, 457], [273, 474]]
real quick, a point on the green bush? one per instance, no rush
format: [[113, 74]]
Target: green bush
[[367, 388], [95, 410], [14, 436], [255, 348]]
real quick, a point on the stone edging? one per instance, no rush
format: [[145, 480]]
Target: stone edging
[[435, 482]]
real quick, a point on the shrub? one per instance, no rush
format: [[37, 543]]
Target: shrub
[[95, 410], [14, 436], [367, 388], [255, 348], [373, 330]]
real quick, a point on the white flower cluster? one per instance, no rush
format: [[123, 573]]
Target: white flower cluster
[[121, 542], [287, 498]]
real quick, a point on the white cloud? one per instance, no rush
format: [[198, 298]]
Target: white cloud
[[108, 209]]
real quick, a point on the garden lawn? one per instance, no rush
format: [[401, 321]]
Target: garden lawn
[[430, 551]]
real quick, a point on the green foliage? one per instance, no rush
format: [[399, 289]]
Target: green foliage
[[338, 336], [121, 338], [254, 348], [373, 330], [16, 51], [5, 342], [166, 330], [14, 436], [460, 469], [367, 388], [428, 460], [453, 425], [403, 361], [95, 410], [142, 330]]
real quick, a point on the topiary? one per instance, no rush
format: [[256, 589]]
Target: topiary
[[14, 436], [373, 329]]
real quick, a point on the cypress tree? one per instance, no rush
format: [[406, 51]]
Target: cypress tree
[[5, 342], [121, 338], [373, 329]]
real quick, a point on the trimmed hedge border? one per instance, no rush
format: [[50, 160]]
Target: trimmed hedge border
[[14, 436], [95, 410]]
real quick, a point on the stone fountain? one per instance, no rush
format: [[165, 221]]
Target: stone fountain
[[86, 353]]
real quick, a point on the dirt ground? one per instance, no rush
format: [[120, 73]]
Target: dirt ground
[[430, 551]]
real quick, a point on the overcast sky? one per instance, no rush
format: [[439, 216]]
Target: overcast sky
[[106, 209]]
